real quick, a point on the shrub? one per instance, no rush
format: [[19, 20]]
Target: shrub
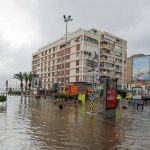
[[70, 97], [56, 96], [2, 98], [63, 96], [122, 93], [14, 92]]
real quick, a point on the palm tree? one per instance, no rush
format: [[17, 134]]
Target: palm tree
[[30, 77], [25, 75], [19, 76]]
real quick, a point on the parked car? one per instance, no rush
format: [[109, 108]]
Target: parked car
[[146, 98]]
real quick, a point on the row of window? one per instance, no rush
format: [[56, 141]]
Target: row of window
[[60, 53], [107, 65]]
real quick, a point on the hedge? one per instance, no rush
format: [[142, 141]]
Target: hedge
[[2, 98]]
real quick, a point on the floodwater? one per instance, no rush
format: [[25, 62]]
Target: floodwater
[[30, 124]]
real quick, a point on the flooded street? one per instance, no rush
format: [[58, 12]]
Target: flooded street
[[30, 124]]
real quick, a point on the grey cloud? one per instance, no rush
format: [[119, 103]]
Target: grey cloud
[[128, 19]]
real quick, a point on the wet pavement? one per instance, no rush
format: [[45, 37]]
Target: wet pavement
[[30, 124]]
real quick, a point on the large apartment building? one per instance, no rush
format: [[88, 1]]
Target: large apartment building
[[86, 54]]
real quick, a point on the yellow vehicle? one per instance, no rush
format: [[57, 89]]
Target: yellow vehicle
[[129, 96]]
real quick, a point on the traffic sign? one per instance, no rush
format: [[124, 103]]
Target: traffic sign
[[92, 97]]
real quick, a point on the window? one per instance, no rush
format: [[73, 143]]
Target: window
[[61, 53], [78, 47], [68, 57], [77, 78], [49, 63], [68, 51], [62, 46], [58, 73], [52, 74], [77, 70], [67, 79], [53, 49], [77, 54], [57, 54], [62, 72], [58, 60], [67, 72], [67, 65], [77, 62]]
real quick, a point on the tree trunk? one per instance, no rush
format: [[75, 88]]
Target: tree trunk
[[29, 85], [21, 86]]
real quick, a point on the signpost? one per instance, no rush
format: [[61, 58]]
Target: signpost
[[110, 94], [6, 88], [92, 98]]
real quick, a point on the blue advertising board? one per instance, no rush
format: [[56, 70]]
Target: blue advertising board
[[141, 68]]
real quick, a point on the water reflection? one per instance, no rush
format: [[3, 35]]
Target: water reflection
[[38, 124]]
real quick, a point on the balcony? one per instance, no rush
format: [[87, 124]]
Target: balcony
[[107, 68], [118, 70], [107, 74], [105, 46], [118, 63], [107, 60]]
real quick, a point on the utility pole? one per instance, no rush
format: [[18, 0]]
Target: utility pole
[[93, 77], [66, 20], [93, 57]]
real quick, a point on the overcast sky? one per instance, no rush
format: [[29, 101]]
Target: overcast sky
[[26, 25]]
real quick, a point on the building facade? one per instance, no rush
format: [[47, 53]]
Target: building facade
[[138, 70], [87, 55]]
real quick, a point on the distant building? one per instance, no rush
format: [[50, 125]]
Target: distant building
[[138, 69], [86, 52]]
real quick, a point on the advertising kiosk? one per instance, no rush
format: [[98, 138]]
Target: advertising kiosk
[[110, 94]]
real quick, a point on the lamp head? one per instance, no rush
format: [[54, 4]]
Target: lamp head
[[69, 17], [64, 17]]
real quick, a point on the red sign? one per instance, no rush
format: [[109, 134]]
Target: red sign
[[111, 99]]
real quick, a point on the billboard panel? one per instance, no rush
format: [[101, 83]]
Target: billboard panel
[[111, 93], [141, 68]]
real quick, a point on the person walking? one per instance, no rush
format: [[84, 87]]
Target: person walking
[[118, 99], [83, 98], [80, 98]]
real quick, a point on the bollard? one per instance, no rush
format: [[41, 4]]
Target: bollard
[[92, 98], [92, 105]]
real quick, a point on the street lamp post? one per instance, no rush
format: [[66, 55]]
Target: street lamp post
[[66, 20]]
